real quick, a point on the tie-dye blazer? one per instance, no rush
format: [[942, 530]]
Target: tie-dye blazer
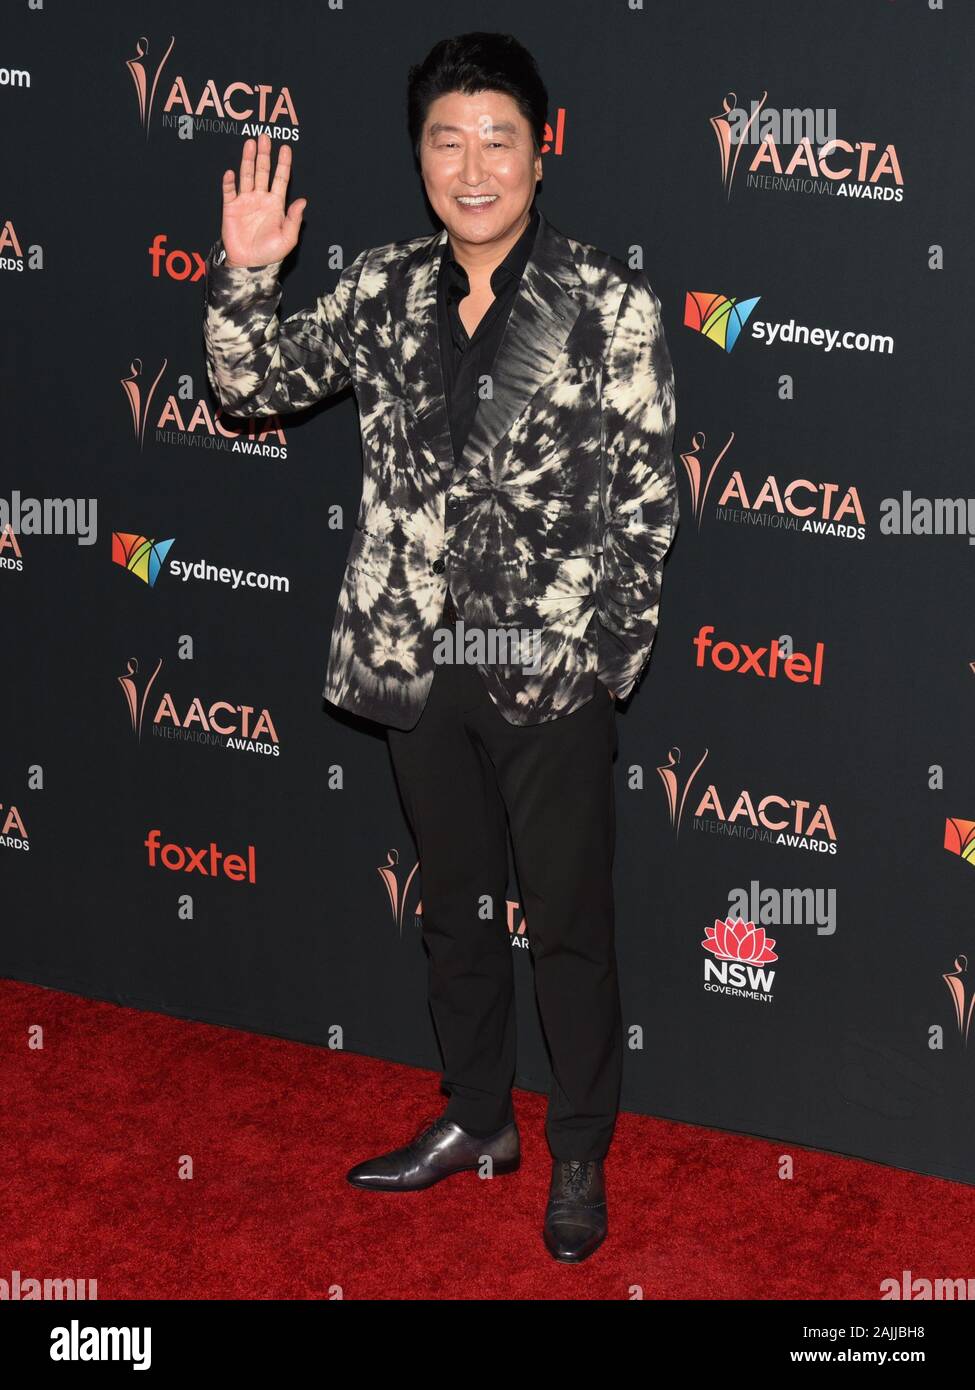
[[553, 524]]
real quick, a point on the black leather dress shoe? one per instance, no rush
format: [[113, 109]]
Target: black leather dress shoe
[[437, 1151], [575, 1218]]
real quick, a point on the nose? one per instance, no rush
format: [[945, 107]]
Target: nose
[[473, 171]]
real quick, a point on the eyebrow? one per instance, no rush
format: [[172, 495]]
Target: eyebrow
[[505, 127]]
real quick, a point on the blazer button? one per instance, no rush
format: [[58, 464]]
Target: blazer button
[[438, 566]]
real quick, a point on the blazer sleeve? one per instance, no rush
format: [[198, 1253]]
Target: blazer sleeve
[[639, 487], [259, 365]]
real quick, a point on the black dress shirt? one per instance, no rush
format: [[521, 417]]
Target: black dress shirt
[[465, 359]]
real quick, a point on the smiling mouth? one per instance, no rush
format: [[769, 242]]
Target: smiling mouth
[[480, 201]]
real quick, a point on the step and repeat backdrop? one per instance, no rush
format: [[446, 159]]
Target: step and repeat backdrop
[[187, 827]]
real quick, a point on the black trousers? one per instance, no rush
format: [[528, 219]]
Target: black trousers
[[466, 775]]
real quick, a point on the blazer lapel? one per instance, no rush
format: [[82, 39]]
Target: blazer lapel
[[419, 338], [542, 316]]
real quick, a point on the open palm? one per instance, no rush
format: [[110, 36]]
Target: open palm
[[256, 228]]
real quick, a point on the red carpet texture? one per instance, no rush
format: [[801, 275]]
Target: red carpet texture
[[102, 1127]]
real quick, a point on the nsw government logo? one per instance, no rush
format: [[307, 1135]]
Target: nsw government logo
[[740, 953]]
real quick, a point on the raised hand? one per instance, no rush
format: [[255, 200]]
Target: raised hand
[[256, 228]]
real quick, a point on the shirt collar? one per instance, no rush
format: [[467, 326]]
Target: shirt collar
[[511, 268]]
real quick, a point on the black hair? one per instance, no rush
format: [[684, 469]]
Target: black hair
[[477, 62]]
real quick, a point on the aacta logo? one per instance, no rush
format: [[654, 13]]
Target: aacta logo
[[818, 509], [717, 316], [145, 74], [399, 894], [963, 997], [183, 418], [210, 862], [799, 505], [677, 794], [11, 252], [11, 556], [791, 823], [255, 106], [135, 699], [738, 950], [781, 820], [139, 555], [767, 662], [242, 728], [695, 465], [825, 166], [13, 832], [959, 984]]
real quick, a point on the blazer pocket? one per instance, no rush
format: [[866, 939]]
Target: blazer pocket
[[563, 580], [359, 547]]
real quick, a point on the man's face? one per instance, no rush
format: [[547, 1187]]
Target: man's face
[[478, 164]]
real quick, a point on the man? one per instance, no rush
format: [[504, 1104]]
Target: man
[[516, 406]]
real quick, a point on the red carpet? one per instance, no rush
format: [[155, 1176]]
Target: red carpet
[[96, 1125]]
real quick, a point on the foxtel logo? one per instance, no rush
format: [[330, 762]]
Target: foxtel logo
[[728, 656], [210, 862]]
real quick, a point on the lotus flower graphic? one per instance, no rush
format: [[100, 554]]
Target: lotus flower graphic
[[739, 940]]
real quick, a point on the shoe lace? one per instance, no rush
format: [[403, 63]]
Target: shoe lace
[[427, 1132], [575, 1176]]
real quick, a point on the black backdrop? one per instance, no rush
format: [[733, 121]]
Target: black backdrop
[[849, 1040]]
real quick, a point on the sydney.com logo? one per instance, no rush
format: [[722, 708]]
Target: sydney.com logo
[[722, 318], [146, 559]]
